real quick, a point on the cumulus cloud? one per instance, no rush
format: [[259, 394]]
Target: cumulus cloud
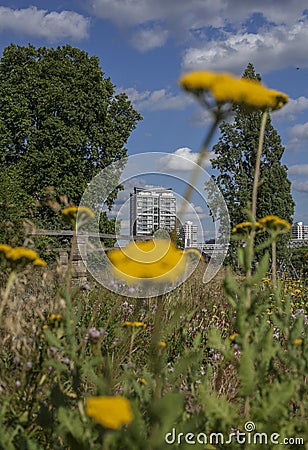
[[293, 107], [298, 169], [195, 13], [41, 23], [298, 136], [173, 163], [160, 99], [300, 186], [282, 43], [148, 38], [270, 48]]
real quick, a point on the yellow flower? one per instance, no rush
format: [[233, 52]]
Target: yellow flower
[[159, 259], [297, 341], [161, 344], [275, 225], [21, 256], [39, 262], [111, 412], [233, 336], [245, 228], [54, 317], [134, 324], [142, 381], [70, 214], [225, 88], [4, 249]]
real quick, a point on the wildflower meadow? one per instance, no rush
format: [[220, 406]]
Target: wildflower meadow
[[207, 366]]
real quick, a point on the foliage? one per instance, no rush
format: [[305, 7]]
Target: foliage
[[235, 158], [16, 206], [211, 368], [298, 259], [61, 122]]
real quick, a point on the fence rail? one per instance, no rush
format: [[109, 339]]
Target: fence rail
[[100, 235]]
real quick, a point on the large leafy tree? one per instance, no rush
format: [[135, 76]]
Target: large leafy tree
[[235, 162], [60, 121]]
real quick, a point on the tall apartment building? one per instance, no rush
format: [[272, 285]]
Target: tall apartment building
[[299, 231], [189, 234], [152, 209]]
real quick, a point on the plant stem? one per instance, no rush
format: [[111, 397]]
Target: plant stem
[[69, 272], [257, 167], [156, 337], [7, 291], [250, 243], [274, 269], [202, 155]]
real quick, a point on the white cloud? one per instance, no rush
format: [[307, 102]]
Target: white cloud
[[301, 186], [298, 169], [195, 13], [274, 48], [282, 43], [41, 23], [299, 136], [160, 99], [148, 38], [173, 163], [293, 107]]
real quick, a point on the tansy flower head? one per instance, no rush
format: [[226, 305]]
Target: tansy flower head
[[225, 88], [161, 344], [233, 336], [111, 412], [72, 213], [275, 225], [4, 249], [39, 262], [245, 228], [297, 341], [134, 324], [19, 257], [54, 317], [159, 260]]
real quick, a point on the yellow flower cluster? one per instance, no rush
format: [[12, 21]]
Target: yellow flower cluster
[[272, 224], [54, 317], [20, 256], [226, 88], [159, 259], [245, 228], [70, 214], [275, 224], [111, 412], [134, 324]]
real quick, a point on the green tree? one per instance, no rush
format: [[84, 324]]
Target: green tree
[[16, 206], [235, 162], [61, 122]]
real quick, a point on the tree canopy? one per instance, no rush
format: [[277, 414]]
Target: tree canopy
[[235, 162], [61, 122]]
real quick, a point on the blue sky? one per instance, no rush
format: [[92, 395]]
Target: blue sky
[[145, 45]]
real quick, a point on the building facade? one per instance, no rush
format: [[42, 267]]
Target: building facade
[[152, 209], [299, 231], [189, 234]]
